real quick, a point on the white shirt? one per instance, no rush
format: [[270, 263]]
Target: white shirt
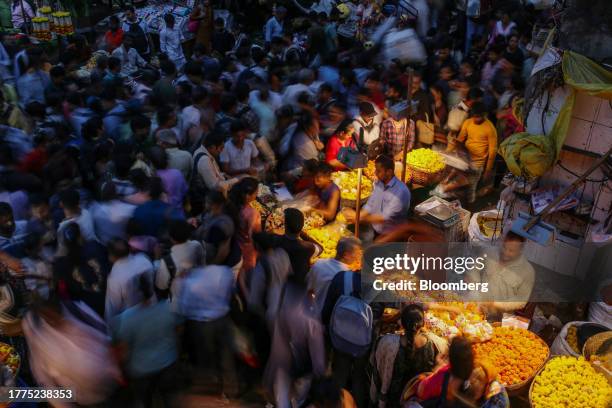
[[320, 276], [239, 159], [122, 289], [110, 219], [180, 160], [86, 226], [292, 93], [17, 13], [206, 293], [370, 133], [141, 92], [265, 111], [272, 29], [209, 172], [170, 44], [191, 118], [185, 256], [130, 60], [275, 100]]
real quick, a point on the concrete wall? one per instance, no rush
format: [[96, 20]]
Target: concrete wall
[[590, 130], [586, 27]]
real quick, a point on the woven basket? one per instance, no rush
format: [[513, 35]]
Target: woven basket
[[419, 176], [520, 388], [592, 345], [598, 369]]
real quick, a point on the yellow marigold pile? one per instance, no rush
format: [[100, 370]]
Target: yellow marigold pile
[[426, 160], [347, 181], [570, 382]]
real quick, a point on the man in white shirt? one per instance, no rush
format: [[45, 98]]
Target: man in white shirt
[[368, 120], [184, 255], [263, 104], [348, 252], [130, 59], [206, 293], [70, 203], [292, 92], [170, 40], [239, 153], [177, 158], [122, 285], [207, 174], [204, 301], [21, 14], [510, 277], [274, 26], [111, 215]]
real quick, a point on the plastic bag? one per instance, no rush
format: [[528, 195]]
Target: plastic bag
[[474, 232], [560, 346]]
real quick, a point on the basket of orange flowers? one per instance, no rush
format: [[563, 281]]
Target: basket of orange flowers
[[516, 353]]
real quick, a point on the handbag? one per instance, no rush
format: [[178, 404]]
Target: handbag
[[425, 130]]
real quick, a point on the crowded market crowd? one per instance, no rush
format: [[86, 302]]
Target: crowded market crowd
[[134, 260]]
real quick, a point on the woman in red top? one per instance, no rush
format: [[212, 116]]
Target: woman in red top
[[343, 137], [114, 36], [448, 381]]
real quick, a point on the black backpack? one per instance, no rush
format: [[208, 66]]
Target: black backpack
[[139, 38]]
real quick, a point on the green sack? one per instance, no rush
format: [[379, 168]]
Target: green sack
[[528, 155]]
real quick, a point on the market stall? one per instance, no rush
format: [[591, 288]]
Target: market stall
[[274, 199], [152, 17]]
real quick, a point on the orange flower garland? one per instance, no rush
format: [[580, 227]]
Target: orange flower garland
[[516, 353]]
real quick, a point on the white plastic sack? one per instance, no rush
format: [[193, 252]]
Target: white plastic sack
[[560, 346], [474, 232], [404, 45]]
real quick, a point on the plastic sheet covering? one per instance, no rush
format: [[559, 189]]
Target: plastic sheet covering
[[530, 155]]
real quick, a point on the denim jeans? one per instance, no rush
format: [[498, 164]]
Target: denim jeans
[[351, 370]]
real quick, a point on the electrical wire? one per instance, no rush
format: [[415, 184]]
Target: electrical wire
[[603, 180]]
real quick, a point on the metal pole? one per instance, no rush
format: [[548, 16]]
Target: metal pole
[[358, 202], [534, 220], [404, 150]]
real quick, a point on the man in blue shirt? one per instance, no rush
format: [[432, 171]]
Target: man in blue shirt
[[274, 26], [32, 84], [153, 215], [147, 335], [390, 201]]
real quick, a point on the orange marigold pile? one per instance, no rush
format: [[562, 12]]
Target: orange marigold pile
[[516, 353]]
